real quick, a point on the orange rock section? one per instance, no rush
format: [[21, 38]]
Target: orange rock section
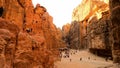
[[20, 50], [65, 33], [89, 8], [37, 39], [8, 36], [66, 29]]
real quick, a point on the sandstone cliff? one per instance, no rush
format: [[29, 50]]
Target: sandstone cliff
[[65, 32], [8, 41], [99, 27], [73, 35], [66, 29], [88, 13], [91, 29], [34, 38], [115, 29], [89, 8]]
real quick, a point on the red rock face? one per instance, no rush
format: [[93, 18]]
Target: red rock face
[[20, 50], [8, 36], [66, 29], [35, 37]]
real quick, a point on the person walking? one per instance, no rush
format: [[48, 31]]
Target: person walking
[[70, 60], [80, 59]]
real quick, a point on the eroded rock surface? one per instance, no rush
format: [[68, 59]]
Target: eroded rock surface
[[115, 31], [91, 27], [99, 27], [32, 40]]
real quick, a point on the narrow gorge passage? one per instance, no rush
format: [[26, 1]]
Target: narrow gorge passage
[[59, 33]]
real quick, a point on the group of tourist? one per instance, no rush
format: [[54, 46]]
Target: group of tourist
[[66, 53]]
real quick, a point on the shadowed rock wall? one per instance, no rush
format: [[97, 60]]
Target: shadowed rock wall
[[115, 31], [94, 27]]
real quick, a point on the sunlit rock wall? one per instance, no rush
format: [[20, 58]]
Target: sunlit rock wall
[[89, 14], [93, 16], [37, 40], [88, 8]]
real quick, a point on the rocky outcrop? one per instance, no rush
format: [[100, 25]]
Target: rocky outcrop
[[99, 27], [8, 42], [31, 52], [65, 33], [94, 24], [73, 35], [91, 22], [98, 35], [29, 19], [60, 36], [88, 8], [98, 32], [34, 38], [66, 29], [20, 50], [115, 29]]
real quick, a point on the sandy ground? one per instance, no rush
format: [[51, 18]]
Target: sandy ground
[[85, 62]]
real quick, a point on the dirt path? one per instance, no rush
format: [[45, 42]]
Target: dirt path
[[88, 60]]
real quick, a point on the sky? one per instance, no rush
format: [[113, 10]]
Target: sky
[[60, 10]]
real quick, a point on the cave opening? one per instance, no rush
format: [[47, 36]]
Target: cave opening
[[1, 11]]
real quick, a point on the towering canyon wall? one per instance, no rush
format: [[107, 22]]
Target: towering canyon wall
[[115, 29], [93, 22], [29, 39], [65, 33], [73, 35], [88, 8], [66, 29]]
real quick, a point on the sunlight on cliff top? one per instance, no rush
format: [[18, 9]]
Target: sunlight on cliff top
[[60, 10]]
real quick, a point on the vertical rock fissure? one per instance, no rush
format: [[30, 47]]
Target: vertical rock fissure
[[1, 11], [14, 50]]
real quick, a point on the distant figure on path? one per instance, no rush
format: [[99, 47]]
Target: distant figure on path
[[74, 53], [80, 59], [106, 59], [68, 56], [71, 53], [70, 60]]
